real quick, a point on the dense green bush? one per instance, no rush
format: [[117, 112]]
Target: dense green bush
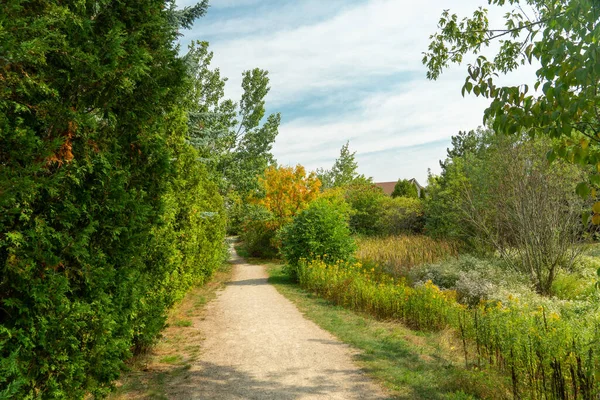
[[105, 215], [375, 214], [366, 203], [258, 232], [405, 188], [401, 215], [320, 231], [187, 243]]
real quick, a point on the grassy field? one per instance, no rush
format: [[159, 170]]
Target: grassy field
[[411, 364], [397, 255], [169, 360]]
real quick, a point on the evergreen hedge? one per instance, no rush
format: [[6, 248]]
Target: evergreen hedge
[[106, 217]]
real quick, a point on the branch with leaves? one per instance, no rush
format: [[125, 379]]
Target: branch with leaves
[[563, 41]]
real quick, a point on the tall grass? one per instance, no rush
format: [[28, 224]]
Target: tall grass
[[398, 254], [546, 355]]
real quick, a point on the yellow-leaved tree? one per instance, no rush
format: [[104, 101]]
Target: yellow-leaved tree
[[287, 191]]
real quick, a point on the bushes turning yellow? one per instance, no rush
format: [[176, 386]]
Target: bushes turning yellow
[[545, 354], [351, 285], [285, 192]]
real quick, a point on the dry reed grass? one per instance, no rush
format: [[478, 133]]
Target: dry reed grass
[[397, 255]]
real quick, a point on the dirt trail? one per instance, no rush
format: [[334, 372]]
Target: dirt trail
[[259, 346]]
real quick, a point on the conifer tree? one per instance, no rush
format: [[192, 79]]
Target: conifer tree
[[94, 174]]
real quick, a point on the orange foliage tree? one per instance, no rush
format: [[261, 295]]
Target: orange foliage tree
[[287, 191]]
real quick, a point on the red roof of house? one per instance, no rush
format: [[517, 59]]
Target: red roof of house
[[388, 187]]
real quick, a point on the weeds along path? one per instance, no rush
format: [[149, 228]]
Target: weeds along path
[[257, 345]]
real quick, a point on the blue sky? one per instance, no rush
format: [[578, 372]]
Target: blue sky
[[347, 70]]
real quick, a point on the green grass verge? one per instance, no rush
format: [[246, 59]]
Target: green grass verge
[[411, 364]]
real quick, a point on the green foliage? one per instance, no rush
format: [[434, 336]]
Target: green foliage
[[237, 210], [570, 286], [499, 193], [258, 233], [474, 279], [366, 203], [321, 231], [351, 285], [326, 178], [106, 218], [373, 213], [230, 137], [187, 241], [443, 217], [405, 188], [579, 282], [545, 354], [344, 170], [562, 39], [401, 215]]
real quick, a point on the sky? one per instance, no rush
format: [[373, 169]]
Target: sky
[[348, 70]]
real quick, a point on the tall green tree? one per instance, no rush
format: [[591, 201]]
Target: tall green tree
[[235, 139], [500, 194], [562, 39], [405, 188], [343, 172]]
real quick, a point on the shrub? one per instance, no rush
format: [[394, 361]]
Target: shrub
[[405, 188], [401, 215], [579, 282], [365, 200], [373, 213], [259, 231], [187, 243], [237, 209], [320, 231], [474, 279]]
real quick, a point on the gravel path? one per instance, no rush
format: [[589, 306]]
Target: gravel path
[[257, 345]]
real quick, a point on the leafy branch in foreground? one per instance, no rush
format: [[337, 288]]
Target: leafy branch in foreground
[[561, 38]]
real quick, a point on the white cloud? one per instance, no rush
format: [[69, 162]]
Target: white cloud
[[403, 116]]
